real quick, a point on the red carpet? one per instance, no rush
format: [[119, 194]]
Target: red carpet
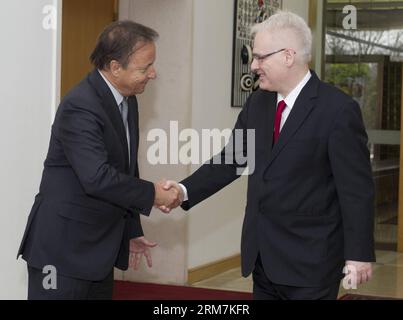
[[147, 291], [363, 297]]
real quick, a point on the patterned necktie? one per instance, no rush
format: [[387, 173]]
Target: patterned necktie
[[124, 110], [277, 121]]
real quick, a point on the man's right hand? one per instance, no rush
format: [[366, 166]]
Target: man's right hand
[[167, 199]]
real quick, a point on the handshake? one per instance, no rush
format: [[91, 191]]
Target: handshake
[[168, 195]]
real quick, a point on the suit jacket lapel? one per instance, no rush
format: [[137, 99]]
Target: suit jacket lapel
[[133, 119], [269, 106], [111, 109], [300, 111]]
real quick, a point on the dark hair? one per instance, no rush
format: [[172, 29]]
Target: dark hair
[[118, 42]]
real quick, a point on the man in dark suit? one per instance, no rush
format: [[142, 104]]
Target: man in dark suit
[[85, 219], [310, 198]]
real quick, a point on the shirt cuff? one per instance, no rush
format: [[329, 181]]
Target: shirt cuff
[[185, 192]]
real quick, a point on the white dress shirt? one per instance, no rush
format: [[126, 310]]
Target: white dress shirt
[[119, 99], [291, 98]]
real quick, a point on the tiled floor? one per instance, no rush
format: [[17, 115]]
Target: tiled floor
[[387, 278]]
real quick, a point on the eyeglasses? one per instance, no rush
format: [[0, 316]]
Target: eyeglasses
[[260, 58]]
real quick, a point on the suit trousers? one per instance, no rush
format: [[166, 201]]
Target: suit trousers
[[265, 289], [68, 288]]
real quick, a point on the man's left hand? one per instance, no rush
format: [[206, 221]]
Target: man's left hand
[[363, 270], [138, 247]]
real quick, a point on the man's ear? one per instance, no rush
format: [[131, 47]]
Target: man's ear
[[115, 68], [290, 57]]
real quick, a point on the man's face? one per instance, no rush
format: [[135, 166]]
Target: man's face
[[132, 80], [270, 69]]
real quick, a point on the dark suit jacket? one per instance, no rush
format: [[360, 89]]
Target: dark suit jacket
[[90, 198], [310, 199]]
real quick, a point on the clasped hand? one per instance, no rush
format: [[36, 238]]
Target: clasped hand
[[168, 195]]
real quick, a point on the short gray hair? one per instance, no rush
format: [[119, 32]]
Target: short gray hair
[[283, 20]]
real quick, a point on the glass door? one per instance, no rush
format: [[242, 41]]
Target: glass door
[[365, 61]]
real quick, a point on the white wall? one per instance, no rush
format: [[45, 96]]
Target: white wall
[[215, 224], [300, 7], [168, 98], [27, 90]]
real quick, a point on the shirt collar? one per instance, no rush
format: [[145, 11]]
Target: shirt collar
[[293, 95], [116, 94]]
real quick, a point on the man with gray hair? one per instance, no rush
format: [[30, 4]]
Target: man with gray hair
[[310, 199]]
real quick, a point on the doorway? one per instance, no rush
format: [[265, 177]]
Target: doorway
[[82, 22]]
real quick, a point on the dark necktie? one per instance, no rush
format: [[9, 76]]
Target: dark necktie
[[277, 121]]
